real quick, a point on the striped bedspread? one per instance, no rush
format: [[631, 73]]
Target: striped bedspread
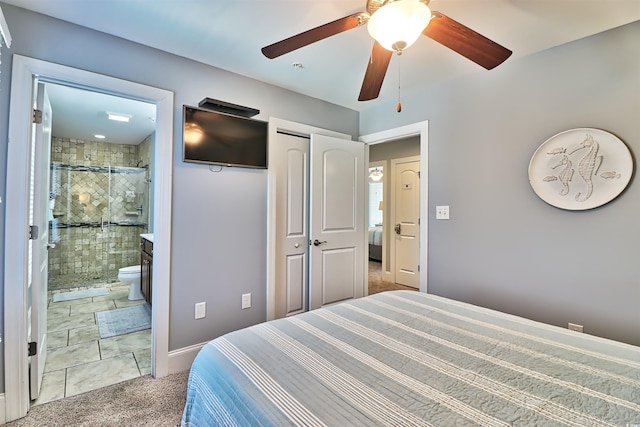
[[375, 235], [406, 358]]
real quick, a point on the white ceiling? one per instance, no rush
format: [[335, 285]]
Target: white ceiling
[[229, 35], [81, 114]]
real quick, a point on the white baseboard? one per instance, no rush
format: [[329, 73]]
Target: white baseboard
[[3, 410], [180, 360]]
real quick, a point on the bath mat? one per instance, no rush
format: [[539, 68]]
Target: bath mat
[[86, 293], [124, 320]]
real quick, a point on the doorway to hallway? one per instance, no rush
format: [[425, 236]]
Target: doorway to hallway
[[384, 146]]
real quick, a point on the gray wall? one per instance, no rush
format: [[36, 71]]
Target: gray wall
[[219, 219], [406, 147], [504, 247]]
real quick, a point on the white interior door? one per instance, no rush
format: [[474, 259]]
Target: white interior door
[[289, 158], [41, 152], [406, 199], [336, 220]]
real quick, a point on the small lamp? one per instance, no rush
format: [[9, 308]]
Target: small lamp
[[381, 206]]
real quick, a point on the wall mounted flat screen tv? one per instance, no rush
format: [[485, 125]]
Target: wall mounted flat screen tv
[[217, 138]]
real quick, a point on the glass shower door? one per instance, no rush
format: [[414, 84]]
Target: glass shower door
[[99, 214], [80, 226], [128, 213]]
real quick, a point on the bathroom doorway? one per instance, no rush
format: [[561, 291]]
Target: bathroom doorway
[[96, 187], [99, 206], [25, 70]]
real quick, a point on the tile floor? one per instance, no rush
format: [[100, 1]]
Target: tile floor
[[78, 360]]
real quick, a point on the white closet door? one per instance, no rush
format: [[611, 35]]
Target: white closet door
[[336, 220], [289, 158]]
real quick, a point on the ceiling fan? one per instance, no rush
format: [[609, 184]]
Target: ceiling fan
[[395, 25]]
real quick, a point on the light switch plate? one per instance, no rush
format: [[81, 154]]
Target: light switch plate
[[442, 212]]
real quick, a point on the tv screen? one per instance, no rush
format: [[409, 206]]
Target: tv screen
[[222, 139]]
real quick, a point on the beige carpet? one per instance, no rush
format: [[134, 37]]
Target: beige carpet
[[143, 401]]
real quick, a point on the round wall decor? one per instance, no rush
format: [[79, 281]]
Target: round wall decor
[[580, 169]]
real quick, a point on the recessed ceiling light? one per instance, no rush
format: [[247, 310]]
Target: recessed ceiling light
[[119, 117], [98, 136]]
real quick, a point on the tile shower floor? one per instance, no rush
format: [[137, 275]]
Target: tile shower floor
[[78, 360]]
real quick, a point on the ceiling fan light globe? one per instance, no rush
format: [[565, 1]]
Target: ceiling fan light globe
[[397, 25]]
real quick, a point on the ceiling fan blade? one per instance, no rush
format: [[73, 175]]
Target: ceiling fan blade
[[375, 73], [465, 41], [315, 34]]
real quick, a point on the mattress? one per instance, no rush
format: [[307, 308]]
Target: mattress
[[406, 358]]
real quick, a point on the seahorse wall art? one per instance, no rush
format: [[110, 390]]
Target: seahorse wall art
[[587, 167], [553, 167], [566, 174]]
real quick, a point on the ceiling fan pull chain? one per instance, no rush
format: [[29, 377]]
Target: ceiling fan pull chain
[[399, 106]]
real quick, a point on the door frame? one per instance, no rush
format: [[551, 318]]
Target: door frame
[[420, 129], [279, 125], [24, 70]]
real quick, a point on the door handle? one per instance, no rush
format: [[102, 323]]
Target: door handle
[[317, 242], [398, 228], [51, 246]]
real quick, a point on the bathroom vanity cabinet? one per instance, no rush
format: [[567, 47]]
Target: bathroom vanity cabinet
[[146, 263]]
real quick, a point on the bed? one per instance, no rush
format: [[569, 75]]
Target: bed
[[375, 243], [405, 358]]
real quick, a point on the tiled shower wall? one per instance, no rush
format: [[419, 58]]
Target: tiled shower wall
[[95, 234]]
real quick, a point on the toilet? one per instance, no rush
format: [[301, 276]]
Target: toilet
[[131, 275]]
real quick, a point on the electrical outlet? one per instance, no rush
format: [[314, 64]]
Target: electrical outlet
[[201, 310], [442, 212], [246, 301], [576, 327]]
